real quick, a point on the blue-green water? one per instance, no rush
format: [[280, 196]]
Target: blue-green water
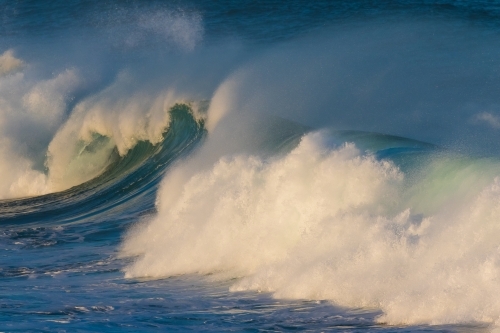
[[247, 166]]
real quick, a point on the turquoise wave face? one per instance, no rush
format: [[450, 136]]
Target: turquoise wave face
[[127, 186]]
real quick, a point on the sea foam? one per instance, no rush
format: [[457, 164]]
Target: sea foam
[[331, 222]]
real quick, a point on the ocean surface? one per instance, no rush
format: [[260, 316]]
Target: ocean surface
[[259, 166]]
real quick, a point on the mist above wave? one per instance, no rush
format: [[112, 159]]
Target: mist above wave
[[388, 77]]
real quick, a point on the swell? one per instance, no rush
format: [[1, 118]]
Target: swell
[[127, 185]]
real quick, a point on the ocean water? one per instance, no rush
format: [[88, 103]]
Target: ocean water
[[325, 166]]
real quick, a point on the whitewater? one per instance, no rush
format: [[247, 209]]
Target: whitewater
[[241, 166]]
